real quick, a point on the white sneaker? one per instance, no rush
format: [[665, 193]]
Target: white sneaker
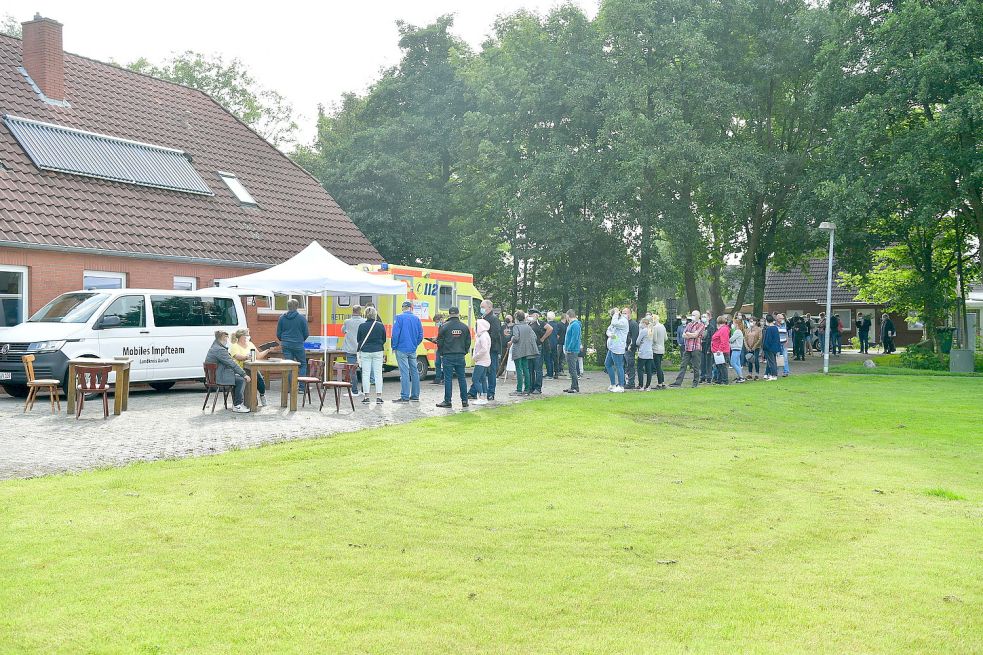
[[479, 401], [356, 394], [262, 400], [240, 409], [619, 389], [611, 388]]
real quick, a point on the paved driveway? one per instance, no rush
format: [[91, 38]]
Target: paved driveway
[[171, 424]]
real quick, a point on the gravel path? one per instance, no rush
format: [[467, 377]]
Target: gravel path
[[171, 424]]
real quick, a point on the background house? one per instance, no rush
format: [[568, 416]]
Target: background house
[[111, 178], [803, 291]]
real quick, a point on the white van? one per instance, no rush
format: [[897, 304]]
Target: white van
[[166, 333]]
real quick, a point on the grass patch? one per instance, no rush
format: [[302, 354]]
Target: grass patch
[[891, 365], [945, 494], [781, 518]]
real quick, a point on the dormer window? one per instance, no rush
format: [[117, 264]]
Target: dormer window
[[237, 189]]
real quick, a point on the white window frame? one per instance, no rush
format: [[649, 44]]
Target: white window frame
[[107, 274], [848, 323], [185, 279], [271, 309], [24, 300], [238, 189]]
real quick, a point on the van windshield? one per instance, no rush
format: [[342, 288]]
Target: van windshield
[[70, 308]]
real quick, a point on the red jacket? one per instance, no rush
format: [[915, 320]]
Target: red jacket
[[720, 342]]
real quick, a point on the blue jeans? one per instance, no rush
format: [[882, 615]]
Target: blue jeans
[[549, 353], [735, 361], [785, 357], [353, 359], [295, 351], [537, 371], [454, 363], [409, 375], [615, 364], [489, 379], [479, 378]]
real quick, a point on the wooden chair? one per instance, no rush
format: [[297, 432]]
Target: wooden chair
[[342, 380], [314, 378], [211, 386], [35, 385], [92, 380]]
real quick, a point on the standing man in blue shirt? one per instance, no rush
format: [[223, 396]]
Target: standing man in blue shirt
[[292, 332], [406, 339], [571, 349]]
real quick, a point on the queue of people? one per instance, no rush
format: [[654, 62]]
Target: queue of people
[[537, 347]]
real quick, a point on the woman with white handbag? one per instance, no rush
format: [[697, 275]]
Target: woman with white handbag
[[371, 352]]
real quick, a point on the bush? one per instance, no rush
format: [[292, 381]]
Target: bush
[[917, 358], [855, 342]]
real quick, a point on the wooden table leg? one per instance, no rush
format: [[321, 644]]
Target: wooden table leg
[[251, 390], [126, 388], [286, 379], [118, 393], [70, 391], [294, 388]]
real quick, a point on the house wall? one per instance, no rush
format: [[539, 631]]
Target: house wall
[[50, 274], [906, 335]]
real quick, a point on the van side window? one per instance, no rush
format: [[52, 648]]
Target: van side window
[[219, 311], [445, 298], [131, 311], [191, 311]]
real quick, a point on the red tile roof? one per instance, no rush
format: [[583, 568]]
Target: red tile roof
[[56, 210], [808, 284]]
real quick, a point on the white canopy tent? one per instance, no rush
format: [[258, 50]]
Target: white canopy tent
[[314, 271]]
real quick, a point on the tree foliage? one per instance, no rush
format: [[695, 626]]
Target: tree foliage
[[643, 153]]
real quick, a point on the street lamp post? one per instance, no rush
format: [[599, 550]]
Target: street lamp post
[[831, 228]]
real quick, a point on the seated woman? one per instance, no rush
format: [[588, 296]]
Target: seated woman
[[240, 349]]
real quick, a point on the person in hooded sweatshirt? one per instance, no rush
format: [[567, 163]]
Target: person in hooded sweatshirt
[[614, 363], [292, 332], [481, 353]]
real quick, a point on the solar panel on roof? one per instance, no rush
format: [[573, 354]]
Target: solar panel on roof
[[65, 150]]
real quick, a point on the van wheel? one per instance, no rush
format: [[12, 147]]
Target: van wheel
[[162, 386], [16, 390], [421, 366]]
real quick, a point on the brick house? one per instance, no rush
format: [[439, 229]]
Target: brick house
[[803, 291], [111, 178]]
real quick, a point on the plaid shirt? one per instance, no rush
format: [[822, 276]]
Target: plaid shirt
[[695, 327]]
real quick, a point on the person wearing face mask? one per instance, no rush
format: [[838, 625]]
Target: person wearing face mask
[[708, 370], [227, 372], [614, 363], [487, 385], [692, 355], [503, 363], [631, 349]]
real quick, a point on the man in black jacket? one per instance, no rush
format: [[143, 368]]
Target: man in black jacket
[[631, 349], [454, 341], [495, 332], [863, 332]]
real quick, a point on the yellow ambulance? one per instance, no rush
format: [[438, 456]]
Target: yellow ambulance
[[431, 291]]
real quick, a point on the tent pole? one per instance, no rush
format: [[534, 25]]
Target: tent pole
[[324, 331]]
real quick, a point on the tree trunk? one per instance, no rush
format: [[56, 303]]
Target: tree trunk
[[754, 238], [760, 273], [717, 306], [645, 267], [689, 281]]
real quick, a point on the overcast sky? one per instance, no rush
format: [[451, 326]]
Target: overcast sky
[[309, 52]]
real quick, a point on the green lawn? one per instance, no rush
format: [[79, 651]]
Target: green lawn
[[811, 515]]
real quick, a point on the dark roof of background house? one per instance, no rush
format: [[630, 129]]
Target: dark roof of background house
[[807, 284], [60, 210]]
